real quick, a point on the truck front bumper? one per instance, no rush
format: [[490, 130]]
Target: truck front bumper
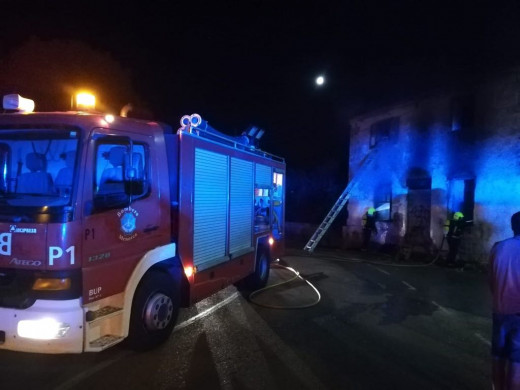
[[45, 327]]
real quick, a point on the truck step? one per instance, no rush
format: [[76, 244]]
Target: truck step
[[104, 342], [102, 313]]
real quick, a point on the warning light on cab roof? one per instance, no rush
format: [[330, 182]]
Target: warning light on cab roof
[[18, 103], [85, 101]]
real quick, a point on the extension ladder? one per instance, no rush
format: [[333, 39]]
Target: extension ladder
[[340, 203]]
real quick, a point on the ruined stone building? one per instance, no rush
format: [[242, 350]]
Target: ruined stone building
[[450, 151]]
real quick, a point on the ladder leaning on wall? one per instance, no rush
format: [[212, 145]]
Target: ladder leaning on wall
[[340, 203]]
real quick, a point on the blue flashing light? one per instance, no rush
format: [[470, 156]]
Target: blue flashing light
[[195, 120], [185, 120]]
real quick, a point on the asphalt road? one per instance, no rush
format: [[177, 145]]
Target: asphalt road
[[378, 325]]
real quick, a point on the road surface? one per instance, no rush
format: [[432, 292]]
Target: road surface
[[377, 325]]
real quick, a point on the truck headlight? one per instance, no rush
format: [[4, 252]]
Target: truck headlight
[[43, 329]]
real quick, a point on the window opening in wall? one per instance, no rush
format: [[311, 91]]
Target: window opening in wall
[[383, 202], [386, 129], [462, 113], [462, 197]]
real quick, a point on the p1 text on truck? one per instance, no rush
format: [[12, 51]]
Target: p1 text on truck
[[109, 224]]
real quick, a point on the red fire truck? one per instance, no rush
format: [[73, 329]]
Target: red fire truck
[[109, 224]]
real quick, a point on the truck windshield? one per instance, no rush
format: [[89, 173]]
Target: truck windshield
[[37, 166]]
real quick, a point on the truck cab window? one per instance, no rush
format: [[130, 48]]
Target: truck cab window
[[121, 173], [33, 163]]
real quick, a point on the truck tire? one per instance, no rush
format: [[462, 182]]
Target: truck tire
[[258, 279], [154, 311]]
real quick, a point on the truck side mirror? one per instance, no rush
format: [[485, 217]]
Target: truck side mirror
[[134, 187]]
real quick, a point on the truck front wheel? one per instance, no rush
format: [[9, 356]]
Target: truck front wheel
[[154, 311]]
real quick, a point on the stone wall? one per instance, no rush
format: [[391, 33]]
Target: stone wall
[[425, 148]]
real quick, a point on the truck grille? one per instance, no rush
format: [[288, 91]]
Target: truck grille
[[6, 277], [15, 289]]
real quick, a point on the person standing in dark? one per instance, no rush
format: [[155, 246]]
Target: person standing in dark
[[504, 263], [454, 229], [369, 226]]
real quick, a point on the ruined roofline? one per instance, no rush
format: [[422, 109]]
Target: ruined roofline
[[469, 85]]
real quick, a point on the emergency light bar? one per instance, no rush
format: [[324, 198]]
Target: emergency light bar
[[85, 100], [18, 103]]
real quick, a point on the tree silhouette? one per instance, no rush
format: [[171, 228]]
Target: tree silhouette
[[51, 72]]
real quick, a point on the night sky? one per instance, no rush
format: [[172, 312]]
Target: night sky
[[254, 62]]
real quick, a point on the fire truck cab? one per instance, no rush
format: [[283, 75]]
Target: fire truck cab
[[109, 224]]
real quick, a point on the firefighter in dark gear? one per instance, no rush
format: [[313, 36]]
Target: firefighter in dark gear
[[453, 230], [369, 226]]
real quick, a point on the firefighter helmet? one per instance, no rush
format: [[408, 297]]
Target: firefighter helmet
[[458, 215]]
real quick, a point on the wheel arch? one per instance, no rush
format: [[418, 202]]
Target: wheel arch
[[262, 243], [162, 259]]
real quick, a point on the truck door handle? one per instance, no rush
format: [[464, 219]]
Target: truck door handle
[[151, 229]]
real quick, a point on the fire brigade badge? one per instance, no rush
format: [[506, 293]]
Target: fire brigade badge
[[128, 223], [128, 218]]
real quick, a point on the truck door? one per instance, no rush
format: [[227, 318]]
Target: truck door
[[121, 211]]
